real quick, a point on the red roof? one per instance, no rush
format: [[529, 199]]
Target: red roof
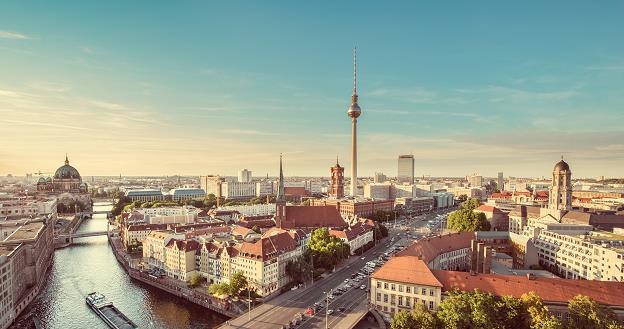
[[147, 227], [273, 243], [313, 216], [407, 269], [352, 232], [502, 195], [186, 245], [486, 208], [295, 191], [430, 248], [549, 289]]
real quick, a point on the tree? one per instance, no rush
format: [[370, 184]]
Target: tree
[[466, 220], [471, 204], [195, 280], [219, 289], [454, 312], [299, 270], [327, 250], [586, 313], [238, 282], [462, 198], [403, 320], [539, 318]]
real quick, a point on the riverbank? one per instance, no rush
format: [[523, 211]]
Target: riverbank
[[174, 287]]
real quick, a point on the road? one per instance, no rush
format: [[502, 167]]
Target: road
[[282, 309]]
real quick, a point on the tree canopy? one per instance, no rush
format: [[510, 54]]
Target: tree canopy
[[466, 220], [471, 204], [481, 310], [326, 249]]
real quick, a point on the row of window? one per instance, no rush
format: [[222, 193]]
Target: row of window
[[408, 289]]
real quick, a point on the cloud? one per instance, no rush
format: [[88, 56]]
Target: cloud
[[13, 35], [248, 132], [412, 95], [496, 94]]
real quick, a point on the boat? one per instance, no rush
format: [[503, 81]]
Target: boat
[[108, 312]]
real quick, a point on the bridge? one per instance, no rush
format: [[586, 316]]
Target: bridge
[[86, 234]]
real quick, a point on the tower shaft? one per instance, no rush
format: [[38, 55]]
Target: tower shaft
[[354, 157]]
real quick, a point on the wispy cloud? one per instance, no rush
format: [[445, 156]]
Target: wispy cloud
[[13, 35], [248, 132], [412, 95], [497, 94]]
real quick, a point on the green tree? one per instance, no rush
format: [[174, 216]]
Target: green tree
[[326, 249], [454, 312], [466, 220], [299, 270], [238, 282], [195, 280], [512, 313], [471, 204], [539, 318], [403, 320], [219, 289], [586, 313]]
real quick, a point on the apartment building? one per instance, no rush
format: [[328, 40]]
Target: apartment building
[[356, 236]]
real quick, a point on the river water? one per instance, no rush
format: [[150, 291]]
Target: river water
[[89, 265]]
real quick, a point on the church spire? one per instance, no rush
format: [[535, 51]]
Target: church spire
[[66, 159], [280, 186], [337, 164]]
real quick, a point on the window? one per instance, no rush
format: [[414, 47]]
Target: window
[[430, 292], [392, 287], [423, 291], [378, 284], [385, 298], [407, 301], [378, 296], [401, 288], [385, 285], [408, 289], [400, 300], [431, 305]]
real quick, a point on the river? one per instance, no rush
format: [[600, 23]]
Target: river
[[89, 265]]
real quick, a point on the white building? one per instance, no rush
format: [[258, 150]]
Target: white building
[[178, 194], [475, 180], [211, 184], [377, 191], [244, 176], [405, 172], [251, 210], [264, 188], [238, 190]]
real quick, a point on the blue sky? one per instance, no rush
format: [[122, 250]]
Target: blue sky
[[196, 87]]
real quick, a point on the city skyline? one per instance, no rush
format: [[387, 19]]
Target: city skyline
[[483, 91]]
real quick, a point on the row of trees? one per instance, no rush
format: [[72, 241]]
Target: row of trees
[[481, 310], [466, 220]]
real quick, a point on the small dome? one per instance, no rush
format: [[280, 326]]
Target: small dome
[[562, 166], [41, 180]]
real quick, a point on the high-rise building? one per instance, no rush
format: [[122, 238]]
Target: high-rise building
[[475, 180], [337, 181], [244, 176], [379, 177], [354, 112], [211, 184], [500, 183], [405, 172]]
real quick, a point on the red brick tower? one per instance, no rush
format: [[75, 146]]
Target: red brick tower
[[337, 178]]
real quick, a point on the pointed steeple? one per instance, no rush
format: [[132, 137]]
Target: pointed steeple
[[66, 159], [280, 186], [337, 164]]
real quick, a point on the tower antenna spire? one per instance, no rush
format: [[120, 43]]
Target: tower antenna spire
[[354, 70]]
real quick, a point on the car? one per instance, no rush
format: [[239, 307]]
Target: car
[[346, 280], [341, 309], [330, 312], [363, 258], [362, 287], [348, 286]]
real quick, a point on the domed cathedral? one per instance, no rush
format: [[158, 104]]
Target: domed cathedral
[[67, 185], [66, 179]]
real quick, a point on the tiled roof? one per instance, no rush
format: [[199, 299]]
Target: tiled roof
[[147, 227], [313, 216], [352, 232], [295, 191], [486, 208], [273, 243], [428, 249], [549, 289], [242, 231], [408, 269], [263, 223], [186, 245]]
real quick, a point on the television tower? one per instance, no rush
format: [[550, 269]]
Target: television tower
[[354, 112]]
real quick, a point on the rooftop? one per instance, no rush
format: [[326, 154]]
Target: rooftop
[[26, 232], [407, 269]]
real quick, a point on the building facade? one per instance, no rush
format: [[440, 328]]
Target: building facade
[[337, 181], [405, 171]]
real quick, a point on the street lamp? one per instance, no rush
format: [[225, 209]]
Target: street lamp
[[327, 309]]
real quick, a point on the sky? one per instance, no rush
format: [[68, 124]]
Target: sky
[[199, 87]]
